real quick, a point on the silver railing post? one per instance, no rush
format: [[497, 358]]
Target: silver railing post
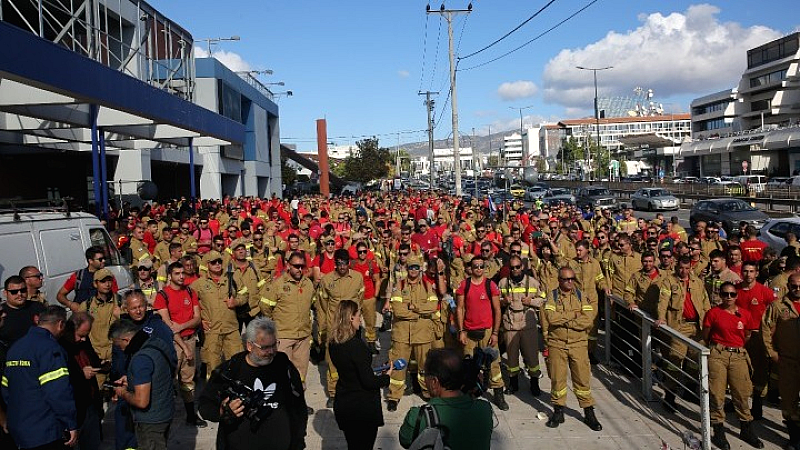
[[647, 360], [705, 412]]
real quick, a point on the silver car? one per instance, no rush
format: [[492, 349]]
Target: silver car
[[773, 233], [651, 199], [534, 192]]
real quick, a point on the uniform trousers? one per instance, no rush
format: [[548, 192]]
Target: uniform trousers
[[524, 341], [789, 387], [677, 353], [368, 313], [298, 351], [729, 368], [218, 346], [576, 359], [496, 377], [186, 367], [397, 382]]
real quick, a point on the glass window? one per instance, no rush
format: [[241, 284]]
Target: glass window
[[100, 238], [779, 230]]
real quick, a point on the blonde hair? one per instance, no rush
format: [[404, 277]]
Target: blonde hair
[[341, 329]]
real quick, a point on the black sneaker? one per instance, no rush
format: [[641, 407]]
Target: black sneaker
[[329, 403], [373, 348], [391, 405], [196, 422], [309, 410]]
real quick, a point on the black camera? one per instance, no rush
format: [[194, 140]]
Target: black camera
[[477, 369], [256, 404]]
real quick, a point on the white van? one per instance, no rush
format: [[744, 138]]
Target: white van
[[55, 242], [755, 183]]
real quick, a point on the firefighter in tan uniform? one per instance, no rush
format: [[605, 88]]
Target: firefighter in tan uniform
[[643, 288], [781, 335], [138, 248], [287, 301], [590, 280], [161, 251], [719, 273], [567, 316], [699, 262], [218, 302], [682, 304], [341, 284], [521, 297], [622, 265], [246, 281], [414, 306]]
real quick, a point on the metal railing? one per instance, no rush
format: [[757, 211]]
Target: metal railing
[[633, 341]]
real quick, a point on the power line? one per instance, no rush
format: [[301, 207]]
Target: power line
[[436, 58], [512, 31], [534, 39], [363, 136], [424, 52]]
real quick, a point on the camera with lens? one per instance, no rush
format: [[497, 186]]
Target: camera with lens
[[477, 369], [256, 406]]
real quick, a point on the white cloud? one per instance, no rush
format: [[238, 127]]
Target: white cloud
[[516, 90], [230, 59], [403, 73], [690, 53]]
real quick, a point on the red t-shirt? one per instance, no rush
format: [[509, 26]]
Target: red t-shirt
[[69, 285], [753, 250], [755, 301], [326, 265], [727, 329], [367, 269], [689, 311], [180, 305], [478, 308]]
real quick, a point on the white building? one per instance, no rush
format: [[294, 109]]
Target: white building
[[342, 151], [511, 153], [764, 120], [443, 159]]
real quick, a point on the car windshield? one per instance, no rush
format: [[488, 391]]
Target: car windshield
[[596, 192], [660, 193], [735, 205], [554, 192]]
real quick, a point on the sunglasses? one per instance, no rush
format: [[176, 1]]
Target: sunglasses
[[414, 267], [481, 231], [516, 252], [330, 243], [362, 252], [340, 262], [601, 237], [478, 267], [229, 231], [143, 268], [184, 229], [792, 287], [203, 222], [16, 291], [299, 266], [216, 261], [567, 279], [403, 253], [486, 250], [100, 259], [516, 267], [729, 294], [38, 275]]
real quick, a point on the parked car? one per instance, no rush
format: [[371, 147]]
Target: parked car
[[728, 211], [774, 231], [517, 190], [755, 183], [558, 195], [778, 181], [710, 180], [596, 197], [651, 199], [534, 192]]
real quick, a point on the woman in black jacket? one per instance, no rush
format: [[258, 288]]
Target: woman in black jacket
[[357, 405]]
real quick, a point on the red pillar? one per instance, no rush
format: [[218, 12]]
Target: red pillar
[[322, 151]]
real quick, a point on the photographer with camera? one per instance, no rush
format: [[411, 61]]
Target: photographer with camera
[[465, 422], [257, 396]]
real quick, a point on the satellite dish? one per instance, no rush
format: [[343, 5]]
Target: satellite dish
[[147, 190]]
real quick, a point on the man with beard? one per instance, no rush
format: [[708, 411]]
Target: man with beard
[[263, 369]]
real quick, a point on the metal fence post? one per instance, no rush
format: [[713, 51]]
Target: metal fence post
[[647, 360], [607, 337], [705, 414]]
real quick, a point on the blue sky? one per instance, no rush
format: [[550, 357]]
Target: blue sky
[[361, 64]]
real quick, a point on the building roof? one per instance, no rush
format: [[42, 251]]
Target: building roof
[[591, 120]]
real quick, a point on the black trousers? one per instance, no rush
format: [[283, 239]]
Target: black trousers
[[361, 438]]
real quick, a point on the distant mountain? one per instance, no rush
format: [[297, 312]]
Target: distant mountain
[[483, 144]]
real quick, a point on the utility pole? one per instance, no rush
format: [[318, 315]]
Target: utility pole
[[597, 114], [429, 106], [475, 161], [448, 15]]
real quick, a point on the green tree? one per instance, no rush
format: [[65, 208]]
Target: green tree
[[493, 161], [370, 162], [288, 174]]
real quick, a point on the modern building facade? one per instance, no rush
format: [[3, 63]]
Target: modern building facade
[[757, 123], [512, 152]]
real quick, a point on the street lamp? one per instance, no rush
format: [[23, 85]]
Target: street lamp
[[216, 40], [279, 83], [597, 113], [521, 142], [255, 72]]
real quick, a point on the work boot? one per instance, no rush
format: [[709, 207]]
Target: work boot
[[191, 416], [500, 399], [535, 389], [329, 403], [557, 418], [513, 384], [590, 419], [391, 405], [747, 435], [372, 348], [794, 435], [756, 410], [669, 402], [309, 410], [718, 439]]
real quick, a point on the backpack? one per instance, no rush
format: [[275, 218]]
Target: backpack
[[84, 291], [487, 285], [126, 252], [431, 438], [447, 248]]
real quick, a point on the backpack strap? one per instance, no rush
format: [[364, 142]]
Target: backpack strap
[[488, 285]]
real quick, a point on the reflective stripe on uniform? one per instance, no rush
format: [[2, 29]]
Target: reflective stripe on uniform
[[550, 307], [580, 393], [559, 393], [599, 277], [261, 283], [396, 299], [4, 382], [397, 382], [587, 308], [513, 370], [497, 377], [535, 368], [242, 291], [433, 298], [268, 302], [54, 375]]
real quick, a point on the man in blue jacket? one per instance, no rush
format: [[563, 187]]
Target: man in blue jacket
[[36, 388]]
